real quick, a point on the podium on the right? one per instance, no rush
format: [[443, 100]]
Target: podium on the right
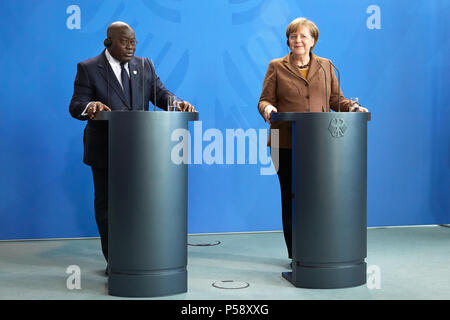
[[329, 191]]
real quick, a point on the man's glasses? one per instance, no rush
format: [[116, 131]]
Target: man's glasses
[[126, 42]]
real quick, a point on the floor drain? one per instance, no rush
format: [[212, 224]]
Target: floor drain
[[203, 244], [231, 284]]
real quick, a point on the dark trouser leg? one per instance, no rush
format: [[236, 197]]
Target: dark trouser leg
[[285, 178], [100, 176]]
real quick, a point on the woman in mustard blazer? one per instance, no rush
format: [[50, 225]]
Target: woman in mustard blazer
[[296, 83]]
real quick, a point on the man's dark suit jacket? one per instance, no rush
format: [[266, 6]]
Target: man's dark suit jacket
[[96, 81]]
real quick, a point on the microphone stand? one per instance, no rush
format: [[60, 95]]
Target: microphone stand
[[339, 87], [326, 93]]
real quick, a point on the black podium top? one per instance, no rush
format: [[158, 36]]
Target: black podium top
[[294, 116], [112, 115]]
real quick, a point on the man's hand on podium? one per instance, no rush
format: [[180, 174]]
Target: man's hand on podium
[[94, 107], [185, 106]]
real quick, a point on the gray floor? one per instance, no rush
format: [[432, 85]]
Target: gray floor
[[414, 263]]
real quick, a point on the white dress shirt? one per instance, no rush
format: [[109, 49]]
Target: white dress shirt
[[115, 65]]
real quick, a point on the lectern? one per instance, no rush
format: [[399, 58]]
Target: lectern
[[329, 224], [147, 204]]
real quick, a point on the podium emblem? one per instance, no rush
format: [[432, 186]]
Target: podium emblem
[[337, 127]]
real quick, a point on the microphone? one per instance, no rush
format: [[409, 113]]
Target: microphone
[[107, 80], [326, 93], [154, 84], [339, 87]]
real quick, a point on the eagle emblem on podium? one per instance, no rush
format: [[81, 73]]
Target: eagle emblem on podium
[[337, 127]]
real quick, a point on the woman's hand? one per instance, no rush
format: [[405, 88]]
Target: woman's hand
[[268, 111], [357, 108]]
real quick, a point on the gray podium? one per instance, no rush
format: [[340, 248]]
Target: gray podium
[[147, 204], [329, 240]]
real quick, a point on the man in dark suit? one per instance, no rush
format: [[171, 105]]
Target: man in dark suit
[[115, 80]]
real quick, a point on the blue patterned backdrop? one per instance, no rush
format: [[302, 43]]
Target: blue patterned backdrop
[[393, 55]]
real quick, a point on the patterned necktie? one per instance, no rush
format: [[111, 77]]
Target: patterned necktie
[[125, 83]]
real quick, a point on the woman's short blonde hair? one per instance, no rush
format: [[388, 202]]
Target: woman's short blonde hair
[[303, 22]]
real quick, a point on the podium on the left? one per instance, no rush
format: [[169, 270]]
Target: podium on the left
[[147, 204]]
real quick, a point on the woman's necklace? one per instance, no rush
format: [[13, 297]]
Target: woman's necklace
[[305, 65]]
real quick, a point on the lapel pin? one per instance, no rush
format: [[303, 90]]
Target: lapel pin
[[134, 72]]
